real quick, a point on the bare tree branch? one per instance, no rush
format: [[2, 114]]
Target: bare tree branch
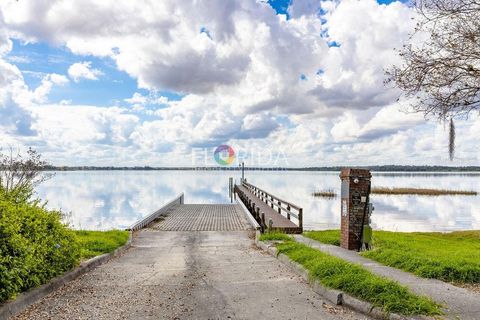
[[442, 73], [19, 176]]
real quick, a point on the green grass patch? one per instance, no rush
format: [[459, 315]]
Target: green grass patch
[[275, 236], [452, 257], [327, 236], [95, 243], [355, 280]]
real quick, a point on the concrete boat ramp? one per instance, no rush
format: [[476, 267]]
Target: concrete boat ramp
[[189, 262]]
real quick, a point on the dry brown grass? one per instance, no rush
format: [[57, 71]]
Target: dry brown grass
[[475, 287], [421, 191], [325, 194]]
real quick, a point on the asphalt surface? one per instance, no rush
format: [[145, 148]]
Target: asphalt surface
[[188, 275]]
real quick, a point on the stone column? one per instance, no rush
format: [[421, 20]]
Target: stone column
[[354, 196]]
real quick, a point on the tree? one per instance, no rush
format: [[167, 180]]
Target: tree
[[19, 175], [441, 61]]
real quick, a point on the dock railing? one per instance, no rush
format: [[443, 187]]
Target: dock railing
[[149, 219], [280, 205]]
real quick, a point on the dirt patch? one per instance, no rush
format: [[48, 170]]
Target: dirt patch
[[474, 287]]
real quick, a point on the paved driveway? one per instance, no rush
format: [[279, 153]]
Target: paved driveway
[[188, 275]]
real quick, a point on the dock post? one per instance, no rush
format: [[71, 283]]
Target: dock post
[[230, 188], [263, 221], [300, 218]]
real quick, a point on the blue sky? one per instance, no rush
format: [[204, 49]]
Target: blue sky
[[112, 88]]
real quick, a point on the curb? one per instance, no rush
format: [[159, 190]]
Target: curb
[[248, 215], [26, 299], [334, 296]]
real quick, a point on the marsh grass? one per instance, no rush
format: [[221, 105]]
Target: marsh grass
[[330, 193], [421, 191], [357, 281], [95, 243], [452, 257]]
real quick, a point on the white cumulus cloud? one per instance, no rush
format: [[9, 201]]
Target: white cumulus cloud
[[83, 70]]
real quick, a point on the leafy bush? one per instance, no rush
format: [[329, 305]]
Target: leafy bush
[[35, 246]]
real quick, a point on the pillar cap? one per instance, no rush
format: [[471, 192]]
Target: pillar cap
[[355, 172]]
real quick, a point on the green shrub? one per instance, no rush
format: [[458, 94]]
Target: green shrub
[[35, 246]]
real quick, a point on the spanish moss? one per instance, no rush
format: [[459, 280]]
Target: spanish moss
[[451, 142]]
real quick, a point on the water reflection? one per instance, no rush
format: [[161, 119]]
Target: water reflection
[[116, 199]]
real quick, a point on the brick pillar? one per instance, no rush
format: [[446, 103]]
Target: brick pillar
[[354, 194]]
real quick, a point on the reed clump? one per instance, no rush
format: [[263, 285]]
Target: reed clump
[[329, 193], [422, 191]]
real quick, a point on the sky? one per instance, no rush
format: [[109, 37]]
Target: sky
[[164, 83]]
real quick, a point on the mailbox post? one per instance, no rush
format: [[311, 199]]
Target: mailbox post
[[355, 195]]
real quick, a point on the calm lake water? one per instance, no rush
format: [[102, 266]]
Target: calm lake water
[[101, 200]]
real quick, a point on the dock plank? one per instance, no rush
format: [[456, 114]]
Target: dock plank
[[279, 221]]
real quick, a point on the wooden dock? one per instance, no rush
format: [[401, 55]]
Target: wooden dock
[[270, 211], [258, 209]]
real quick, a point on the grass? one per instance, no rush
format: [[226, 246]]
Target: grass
[[325, 194], [327, 236], [355, 280], [275, 236], [452, 257], [421, 191], [95, 243]]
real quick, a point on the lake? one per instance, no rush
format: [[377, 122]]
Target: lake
[[102, 200]]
